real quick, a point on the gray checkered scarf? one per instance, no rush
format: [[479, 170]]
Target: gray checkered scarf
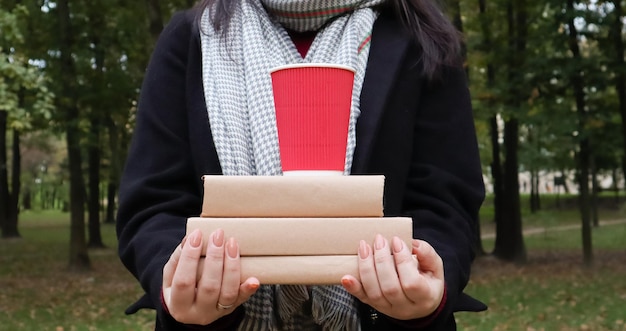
[[238, 93]]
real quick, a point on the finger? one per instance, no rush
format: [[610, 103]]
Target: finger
[[367, 273], [232, 274], [406, 265], [428, 259], [210, 278], [386, 270], [170, 266], [354, 287], [184, 281], [247, 289]]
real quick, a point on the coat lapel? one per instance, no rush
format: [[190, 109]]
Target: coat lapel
[[386, 53]]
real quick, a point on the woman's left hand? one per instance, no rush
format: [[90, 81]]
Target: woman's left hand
[[398, 285]]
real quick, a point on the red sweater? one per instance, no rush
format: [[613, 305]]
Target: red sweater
[[302, 40]]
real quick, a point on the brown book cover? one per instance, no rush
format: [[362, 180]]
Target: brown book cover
[[303, 236], [302, 270], [291, 270], [293, 196], [322, 270]]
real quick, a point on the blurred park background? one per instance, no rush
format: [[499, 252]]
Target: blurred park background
[[548, 80]]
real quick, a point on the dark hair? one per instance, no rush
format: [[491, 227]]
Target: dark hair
[[424, 20]]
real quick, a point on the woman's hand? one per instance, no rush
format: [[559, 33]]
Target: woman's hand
[[200, 293], [398, 285]]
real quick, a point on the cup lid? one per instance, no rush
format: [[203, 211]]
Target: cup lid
[[312, 173], [312, 65]]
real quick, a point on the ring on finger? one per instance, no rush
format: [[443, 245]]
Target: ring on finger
[[223, 307]]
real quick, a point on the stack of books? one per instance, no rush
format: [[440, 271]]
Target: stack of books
[[298, 229]]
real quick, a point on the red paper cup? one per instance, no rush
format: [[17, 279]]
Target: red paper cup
[[313, 104]]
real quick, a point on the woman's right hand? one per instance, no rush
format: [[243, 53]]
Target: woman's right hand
[[200, 293]]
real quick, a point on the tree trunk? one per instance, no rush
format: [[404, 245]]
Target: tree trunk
[[4, 175], [79, 257], [509, 244], [535, 204], [534, 198], [536, 195], [114, 171], [156, 19], [620, 77], [111, 203], [496, 170], [595, 217], [584, 201], [26, 199], [95, 236], [584, 154], [11, 230], [494, 132], [78, 253], [615, 185], [95, 115]]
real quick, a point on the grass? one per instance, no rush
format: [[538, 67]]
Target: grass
[[553, 291], [38, 293]]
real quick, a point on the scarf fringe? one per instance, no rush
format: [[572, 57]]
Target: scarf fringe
[[333, 316], [289, 299], [259, 311], [249, 325]]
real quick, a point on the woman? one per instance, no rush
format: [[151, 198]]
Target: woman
[[205, 108]]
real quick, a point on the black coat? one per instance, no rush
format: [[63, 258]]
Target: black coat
[[419, 133]]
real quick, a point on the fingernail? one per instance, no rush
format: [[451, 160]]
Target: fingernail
[[363, 251], [253, 286], [379, 242], [397, 244], [231, 249], [195, 240], [346, 282], [218, 238]]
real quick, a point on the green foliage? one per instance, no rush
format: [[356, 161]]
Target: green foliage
[[23, 86], [10, 27], [541, 75]]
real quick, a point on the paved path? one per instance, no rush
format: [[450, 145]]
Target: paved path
[[541, 230]]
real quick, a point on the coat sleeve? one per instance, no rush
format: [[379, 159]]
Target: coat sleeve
[[444, 187], [159, 189]]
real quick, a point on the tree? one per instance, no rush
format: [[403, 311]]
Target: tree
[[95, 30], [488, 98], [509, 243], [619, 65], [26, 99], [79, 257]]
